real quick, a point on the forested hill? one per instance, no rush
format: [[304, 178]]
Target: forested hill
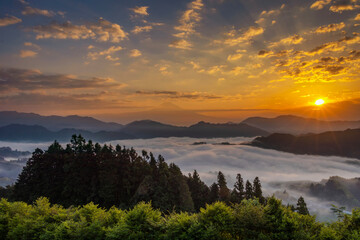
[[336, 143], [84, 172]]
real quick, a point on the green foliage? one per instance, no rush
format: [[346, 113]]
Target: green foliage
[[247, 220]]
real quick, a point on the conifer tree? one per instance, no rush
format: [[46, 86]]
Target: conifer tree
[[257, 192], [214, 193], [301, 207], [224, 192], [238, 194], [248, 190]]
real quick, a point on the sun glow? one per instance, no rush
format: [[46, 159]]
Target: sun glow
[[319, 102]]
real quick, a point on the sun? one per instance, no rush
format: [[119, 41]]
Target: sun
[[319, 102]]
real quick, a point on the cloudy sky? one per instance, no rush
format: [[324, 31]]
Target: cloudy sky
[[115, 56]]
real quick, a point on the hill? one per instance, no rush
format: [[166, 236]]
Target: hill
[[134, 130], [335, 143], [56, 123], [299, 125]]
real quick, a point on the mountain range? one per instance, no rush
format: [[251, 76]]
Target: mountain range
[[15, 126], [299, 125], [335, 143]]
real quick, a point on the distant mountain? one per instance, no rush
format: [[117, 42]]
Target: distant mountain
[[335, 143], [36, 133], [203, 129], [150, 129], [137, 129], [7, 152], [336, 189], [56, 123], [299, 125]]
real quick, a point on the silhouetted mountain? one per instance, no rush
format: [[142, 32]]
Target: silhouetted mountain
[[56, 123], [336, 143], [150, 129], [137, 129], [7, 152], [203, 129], [299, 125], [35, 133]]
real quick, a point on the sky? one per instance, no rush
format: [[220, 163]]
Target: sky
[[113, 57]]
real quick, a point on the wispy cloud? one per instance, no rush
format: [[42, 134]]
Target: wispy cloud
[[27, 53], [143, 10], [9, 20], [24, 79], [320, 4], [35, 11], [246, 36], [109, 51], [102, 31], [135, 53]]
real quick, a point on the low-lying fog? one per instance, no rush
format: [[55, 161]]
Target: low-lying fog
[[269, 165]]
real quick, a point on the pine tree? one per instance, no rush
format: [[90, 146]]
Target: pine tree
[[214, 193], [301, 207], [224, 192], [199, 190], [237, 195], [257, 192], [248, 190]]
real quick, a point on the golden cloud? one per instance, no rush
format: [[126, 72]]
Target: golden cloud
[[101, 31], [140, 10], [9, 20]]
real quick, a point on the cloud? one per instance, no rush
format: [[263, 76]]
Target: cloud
[[33, 45], [179, 95], [330, 28], [344, 5], [102, 31], [9, 20], [27, 53], [234, 57], [180, 44], [113, 59], [139, 29], [189, 19], [140, 10], [111, 50], [135, 53], [29, 80], [357, 18], [246, 36], [35, 11], [320, 4], [292, 40]]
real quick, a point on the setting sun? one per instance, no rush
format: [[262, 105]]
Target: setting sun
[[319, 102]]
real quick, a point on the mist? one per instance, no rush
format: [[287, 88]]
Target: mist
[[271, 166]]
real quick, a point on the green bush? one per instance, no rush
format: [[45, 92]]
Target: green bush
[[246, 220]]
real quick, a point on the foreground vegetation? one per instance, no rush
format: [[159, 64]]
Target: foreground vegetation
[[140, 197], [247, 220]]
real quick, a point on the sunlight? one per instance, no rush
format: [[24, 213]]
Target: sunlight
[[319, 102]]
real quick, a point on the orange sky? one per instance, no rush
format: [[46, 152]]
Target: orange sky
[[118, 57]]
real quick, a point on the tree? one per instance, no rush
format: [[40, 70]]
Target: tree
[[224, 192], [199, 191], [214, 193], [301, 207], [248, 190], [238, 194], [257, 192]]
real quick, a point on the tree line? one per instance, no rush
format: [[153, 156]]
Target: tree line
[[84, 172]]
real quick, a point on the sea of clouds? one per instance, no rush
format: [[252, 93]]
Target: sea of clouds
[[269, 165]]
